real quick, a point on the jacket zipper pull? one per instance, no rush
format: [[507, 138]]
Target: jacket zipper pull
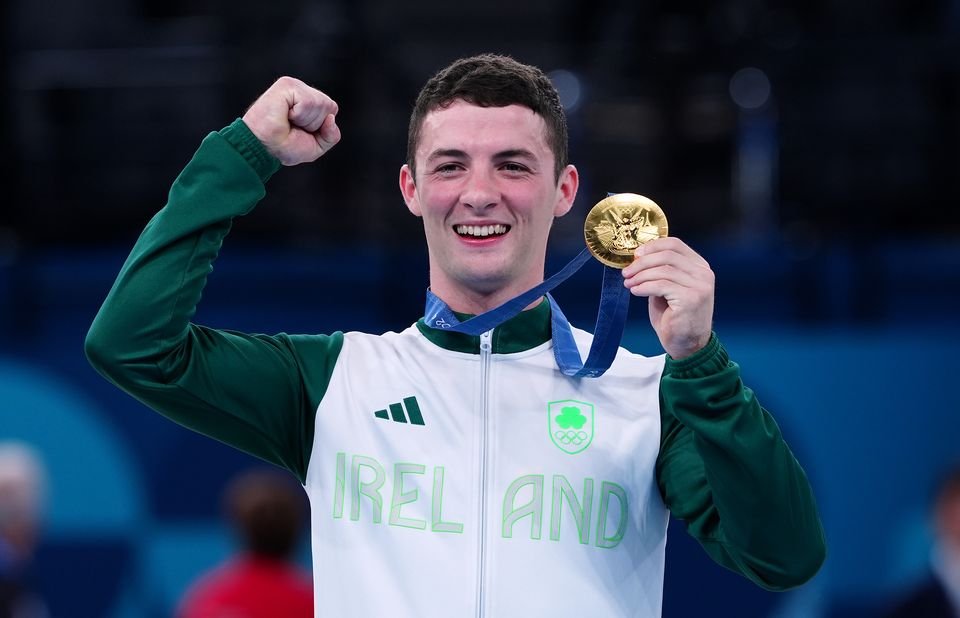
[[485, 341]]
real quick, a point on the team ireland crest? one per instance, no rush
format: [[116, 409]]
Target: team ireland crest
[[570, 424]]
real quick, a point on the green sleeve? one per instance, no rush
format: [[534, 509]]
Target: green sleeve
[[725, 470], [257, 393]]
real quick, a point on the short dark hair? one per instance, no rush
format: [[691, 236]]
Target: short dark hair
[[948, 487], [490, 80], [267, 511]]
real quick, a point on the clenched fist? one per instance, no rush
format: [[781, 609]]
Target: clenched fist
[[295, 122]]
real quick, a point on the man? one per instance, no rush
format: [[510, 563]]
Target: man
[[939, 595], [22, 497], [267, 513], [455, 475]]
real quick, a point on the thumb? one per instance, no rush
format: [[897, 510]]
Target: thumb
[[328, 134]]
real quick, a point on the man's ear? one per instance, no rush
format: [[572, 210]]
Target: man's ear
[[409, 190], [567, 186]]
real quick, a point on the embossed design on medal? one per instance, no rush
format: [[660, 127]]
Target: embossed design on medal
[[620, 223]]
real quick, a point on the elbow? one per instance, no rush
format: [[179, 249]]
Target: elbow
[[810, 563], [797, 569], [97, 349], [121, 358], [106, 353]]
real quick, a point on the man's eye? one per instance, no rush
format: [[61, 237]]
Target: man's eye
[[447, 168], [513, 167]]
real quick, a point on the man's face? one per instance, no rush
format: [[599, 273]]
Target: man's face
[[486, 190]]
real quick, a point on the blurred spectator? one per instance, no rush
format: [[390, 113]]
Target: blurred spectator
[[939, 596], [22, 489], [267, 511]]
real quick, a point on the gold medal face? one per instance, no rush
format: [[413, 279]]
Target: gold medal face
[[619, 224]]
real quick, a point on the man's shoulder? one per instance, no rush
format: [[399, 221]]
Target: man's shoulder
[[380, 343], [389, 336], [307, 344]]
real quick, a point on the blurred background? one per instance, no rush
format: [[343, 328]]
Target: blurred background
[[809, 150]]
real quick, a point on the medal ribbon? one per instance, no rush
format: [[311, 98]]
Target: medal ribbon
[[611, 317]]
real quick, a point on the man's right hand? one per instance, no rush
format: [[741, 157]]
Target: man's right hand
[[295, 122]]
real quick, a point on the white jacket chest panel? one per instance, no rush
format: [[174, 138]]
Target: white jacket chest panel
[[480, 505]]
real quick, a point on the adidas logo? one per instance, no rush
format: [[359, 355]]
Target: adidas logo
[[397, 412]]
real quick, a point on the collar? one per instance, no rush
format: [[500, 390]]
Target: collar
[[526, 330]]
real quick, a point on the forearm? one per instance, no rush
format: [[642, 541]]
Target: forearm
[[144, 320], [726, 471], [245, 390]]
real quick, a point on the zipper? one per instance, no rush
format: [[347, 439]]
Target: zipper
[[485, 351]]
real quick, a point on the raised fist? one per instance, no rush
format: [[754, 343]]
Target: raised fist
[[295, 122]]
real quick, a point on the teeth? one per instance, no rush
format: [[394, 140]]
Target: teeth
[[480, 231]]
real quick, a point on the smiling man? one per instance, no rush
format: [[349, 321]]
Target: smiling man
[[459, 475], [487, 191]]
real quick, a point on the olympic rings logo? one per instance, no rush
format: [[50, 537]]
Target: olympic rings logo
[[570, 436]]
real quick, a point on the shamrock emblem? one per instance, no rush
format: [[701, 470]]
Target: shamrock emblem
[[570, 416]]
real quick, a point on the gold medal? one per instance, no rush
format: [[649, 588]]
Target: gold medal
[[619, 224]]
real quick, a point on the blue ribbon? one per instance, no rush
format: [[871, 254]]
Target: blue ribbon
[[611, 317]]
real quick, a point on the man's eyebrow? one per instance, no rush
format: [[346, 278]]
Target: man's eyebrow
[[447, 152], [511, 153], [515, 153]]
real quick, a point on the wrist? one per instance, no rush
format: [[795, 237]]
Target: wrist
[[710, 359], [689, 347], [245, 141]]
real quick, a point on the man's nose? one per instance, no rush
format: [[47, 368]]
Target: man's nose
[[481, 191]]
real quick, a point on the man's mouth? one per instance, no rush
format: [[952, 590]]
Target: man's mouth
[[481, 231]]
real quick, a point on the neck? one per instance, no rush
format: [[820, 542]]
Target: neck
[[475, 302]]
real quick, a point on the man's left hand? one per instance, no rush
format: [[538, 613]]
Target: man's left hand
[[679, 285]]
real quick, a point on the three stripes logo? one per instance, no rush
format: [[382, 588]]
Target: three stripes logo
[[397, 412]]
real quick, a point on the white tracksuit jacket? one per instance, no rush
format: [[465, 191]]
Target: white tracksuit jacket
[[490, 507]]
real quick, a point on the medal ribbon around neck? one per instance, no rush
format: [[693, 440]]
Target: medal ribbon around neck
[[614, 228]]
